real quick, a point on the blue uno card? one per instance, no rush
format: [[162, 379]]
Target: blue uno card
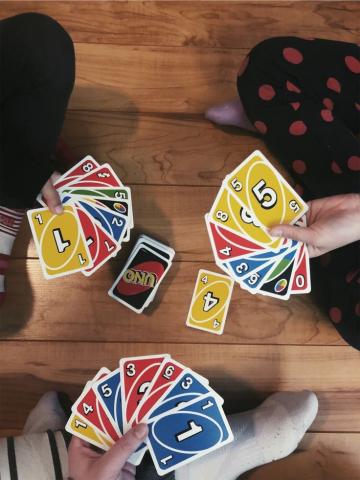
[[185, 389], [113, 223], [189, 432], [108, 390]]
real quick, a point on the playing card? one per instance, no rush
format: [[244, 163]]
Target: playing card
[[187, 433], [59, 241], [108, 391], [226, 244], [142, 273], [165, 377], [102, 177], [278, 281], [229, 213], [101, 246], [210, 302], [301, 282], [186, 388], [136, 374], [77, 426], [257, 185]]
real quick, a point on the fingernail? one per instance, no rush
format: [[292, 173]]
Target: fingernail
[[140, 431], [59, 209], [277, 232]]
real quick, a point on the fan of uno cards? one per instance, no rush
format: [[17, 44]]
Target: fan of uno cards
[[253, 198], [97, 218], [184, 414]]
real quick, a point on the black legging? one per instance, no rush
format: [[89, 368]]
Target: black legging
[[303, 96], [37, 72]]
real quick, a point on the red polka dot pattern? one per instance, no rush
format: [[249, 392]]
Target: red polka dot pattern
[[292, 87], [335, 314], [351, 275], [295, 105], [354, 163], [327, 115], [328, 103], [299, 166], [333, 84], [352, 64], [299, 189], [266, 92], [243, 66], [260, 126], [335, 167], [298, 128], [292, 55]]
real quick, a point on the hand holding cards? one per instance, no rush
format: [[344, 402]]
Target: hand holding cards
[[253, 198], [142, 274], [184, 414], [97, 218]]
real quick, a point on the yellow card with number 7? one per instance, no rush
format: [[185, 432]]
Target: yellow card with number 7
[[264, 192], [59, 241], [210, 302]]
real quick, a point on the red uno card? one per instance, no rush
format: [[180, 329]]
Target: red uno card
[[301, 281], [165, 377], [102, 177], [101, 245], [84, 167], [227, 244], [137, 374]]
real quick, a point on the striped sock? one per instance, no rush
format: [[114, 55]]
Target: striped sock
[[10, 221]]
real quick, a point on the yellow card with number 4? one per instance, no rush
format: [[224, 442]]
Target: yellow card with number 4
[[210, 302], [264, 192], [59, 241], [79, 427]]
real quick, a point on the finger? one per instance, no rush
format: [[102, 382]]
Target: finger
[[52, 198], [55, 177], [301, 234], [115, 459]]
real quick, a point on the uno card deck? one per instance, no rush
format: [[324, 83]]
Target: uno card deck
[[142, 274], [210, 302], [97, 219], [253, 198], [184, 414]]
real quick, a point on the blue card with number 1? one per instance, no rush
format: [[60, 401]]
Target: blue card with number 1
[[187, 432]]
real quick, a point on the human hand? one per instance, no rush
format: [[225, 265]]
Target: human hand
[[332, 223], [51, 195], [87, 464]]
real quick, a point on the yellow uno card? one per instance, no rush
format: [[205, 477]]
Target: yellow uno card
[[264, 192], [59, 241], [79, 427], [210, 302], [229, 213]]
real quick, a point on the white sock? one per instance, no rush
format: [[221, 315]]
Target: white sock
[[46, 415], [270, 432]]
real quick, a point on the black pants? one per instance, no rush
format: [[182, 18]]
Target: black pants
[[303, 96], [37, 72]]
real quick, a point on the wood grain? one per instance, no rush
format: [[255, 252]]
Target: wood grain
[[202, 24], [36, 310], [245, 375]]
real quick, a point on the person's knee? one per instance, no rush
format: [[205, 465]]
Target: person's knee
[[266, 50]]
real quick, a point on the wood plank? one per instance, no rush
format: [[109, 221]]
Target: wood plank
[[35, 310], [320, 456], [203, 24], [162, 149], [245, 375]]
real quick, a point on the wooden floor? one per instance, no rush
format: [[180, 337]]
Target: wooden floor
[[146, 71]]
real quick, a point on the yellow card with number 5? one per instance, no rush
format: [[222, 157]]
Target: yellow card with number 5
[[210, 302], [261, 189], [59, 241]]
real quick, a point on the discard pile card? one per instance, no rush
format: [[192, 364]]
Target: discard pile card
[[97, 218], [184, 414], [253, 198], [142, 274]]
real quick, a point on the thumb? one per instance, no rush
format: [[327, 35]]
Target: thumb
[[113, 461], [301, 234]]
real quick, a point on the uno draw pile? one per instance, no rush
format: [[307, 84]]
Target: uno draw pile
[[252, 198], [183, 413]]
